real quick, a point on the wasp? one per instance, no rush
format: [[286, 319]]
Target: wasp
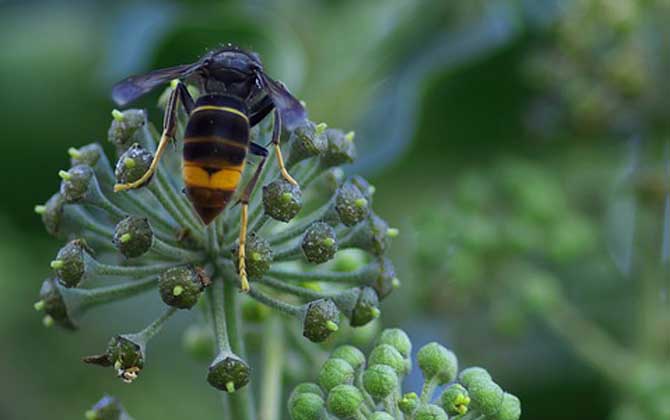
[[236, 95]]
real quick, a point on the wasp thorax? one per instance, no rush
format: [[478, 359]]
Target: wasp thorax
[[133, 236], [322, 318], [181, 287], [132, 164], [282, 200], [319, 244], [228, 372], [75, 183]]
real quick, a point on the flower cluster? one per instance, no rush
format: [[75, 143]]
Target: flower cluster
[[150, 239], [349, 387]]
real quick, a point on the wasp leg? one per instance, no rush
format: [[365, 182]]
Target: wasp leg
[[179, 93], [276, 133], [244, 218]]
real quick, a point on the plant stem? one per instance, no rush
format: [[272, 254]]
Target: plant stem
[[155, 327], [273, 303], [273, 355], [215, 295]]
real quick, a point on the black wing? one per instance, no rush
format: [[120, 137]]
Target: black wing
[[291, 111], [133, 87]]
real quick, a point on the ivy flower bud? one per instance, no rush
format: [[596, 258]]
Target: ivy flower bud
[[510, 409], [198, 341], [486, 396], [366, 309], [125, 353], [70, 263], [76, 183], [52, 213], [181, 286], [122, 132], [133, 164], [380, 381], [408, 403], [108, 408], [344, 401], [335, 372], [398, 339], [228, 372], [306, 406], [430, 412], [52, 303], [371, 235], [455, 400], [351, 204], [282, 200], [340, 148], [473, 374], [363, 186], [319, 244], [258, 256], [385, 280], [305, 388], [384, 354], [86, 155], [351, 354], [381, 415], [322, 318], [305, 142], [133, 236], [435, 361]]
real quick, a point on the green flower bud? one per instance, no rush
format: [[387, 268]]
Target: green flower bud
[[125, 353], [305, 388], [385, 280], [108, 408], [76, 183], [381, 415], [471, 375], [486, 396], [181, 286], [340, 150], [70, 263], [408, 403], [282, 200], [133, 236], [344, 401], [430, 412], [319, 244], [455, 400], [305, 142], [510, 409], [366, 309], [52, 303], [435, 361], [322, 318], [398, 339], [123, 131], [351, 354], [363, 186], [335, 372], [306, 406], [52, 213], [380, 381], [254, 311], [384, 354], [258, 256], [133, 164], [198, 341], [371, 235], [351, 204], [228, 372]]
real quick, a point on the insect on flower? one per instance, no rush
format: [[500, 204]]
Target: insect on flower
[[237, 95]]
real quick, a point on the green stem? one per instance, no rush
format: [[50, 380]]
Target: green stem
[[183, 206], [153, 213], [297, 228], [159, 192], [359, 277], [294, 290], [180, 254], [84, 219], [129, 271], [273, 359], [273, 303], [289, 253], [215, 295], [79, 301], [428, 389], [155, 327]]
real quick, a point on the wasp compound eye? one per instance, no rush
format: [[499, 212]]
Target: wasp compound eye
[[133, 236], [228, 372], [181, 287], [282, 200], [132, 164]]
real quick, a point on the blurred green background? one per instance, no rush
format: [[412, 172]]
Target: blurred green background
[[520, 146]]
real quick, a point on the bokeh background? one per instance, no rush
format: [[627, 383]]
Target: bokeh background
[[521, 147]]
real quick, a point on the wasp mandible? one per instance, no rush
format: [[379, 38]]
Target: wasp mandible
[[236, 95]]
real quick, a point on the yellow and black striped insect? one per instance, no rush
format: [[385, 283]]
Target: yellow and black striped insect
[[236, 95]]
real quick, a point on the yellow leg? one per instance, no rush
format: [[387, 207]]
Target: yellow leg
[[242, 251], [152, 168], [282, 168]]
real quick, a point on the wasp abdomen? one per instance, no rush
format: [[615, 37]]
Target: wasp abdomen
[[215, 147]]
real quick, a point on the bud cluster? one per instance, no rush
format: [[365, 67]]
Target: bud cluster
[[150, 239], [350, 387]]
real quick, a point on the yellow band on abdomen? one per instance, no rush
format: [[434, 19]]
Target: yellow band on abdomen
[[225, 178]]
